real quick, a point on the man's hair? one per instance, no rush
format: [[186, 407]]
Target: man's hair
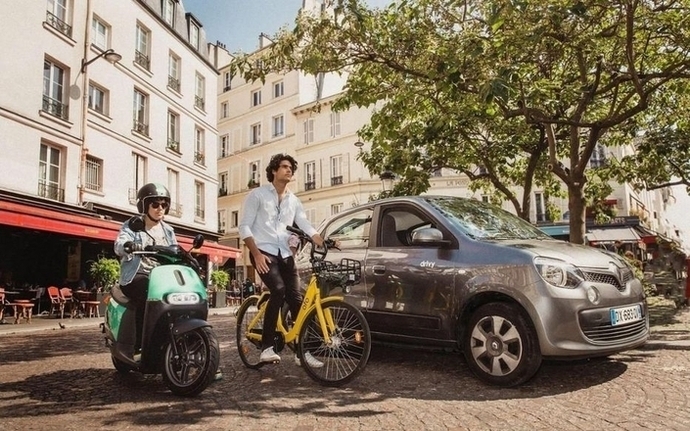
[[274, 164]]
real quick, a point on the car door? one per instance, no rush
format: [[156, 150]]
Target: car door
[[411, 287], [352, 230]]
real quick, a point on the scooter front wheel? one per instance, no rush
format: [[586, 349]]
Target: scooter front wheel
[[194, 367]]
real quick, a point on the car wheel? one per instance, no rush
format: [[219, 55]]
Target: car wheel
[[501, 346]]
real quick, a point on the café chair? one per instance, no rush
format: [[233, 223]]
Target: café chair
[[56, 303], [70, 303]]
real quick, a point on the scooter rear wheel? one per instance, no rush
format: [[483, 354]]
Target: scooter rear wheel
[[194, 368]]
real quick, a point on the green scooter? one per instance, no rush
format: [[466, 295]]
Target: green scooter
[[177, 341]]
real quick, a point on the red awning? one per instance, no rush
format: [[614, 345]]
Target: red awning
[[30, 217]]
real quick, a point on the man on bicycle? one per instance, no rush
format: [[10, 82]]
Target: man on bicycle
[[267, 211]]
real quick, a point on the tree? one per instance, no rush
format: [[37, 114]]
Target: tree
[[510, 87]]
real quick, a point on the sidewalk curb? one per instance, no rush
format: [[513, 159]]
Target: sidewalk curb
[[54, 324]]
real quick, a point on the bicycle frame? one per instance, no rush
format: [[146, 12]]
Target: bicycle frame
[[312, 299]]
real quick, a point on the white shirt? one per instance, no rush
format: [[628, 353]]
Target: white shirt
[[266, 221]]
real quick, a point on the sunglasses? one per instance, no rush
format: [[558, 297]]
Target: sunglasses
[[155, 205]]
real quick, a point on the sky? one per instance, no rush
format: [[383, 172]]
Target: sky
[[238, 23]]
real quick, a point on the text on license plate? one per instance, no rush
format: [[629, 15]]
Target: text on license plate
[[623, 315]]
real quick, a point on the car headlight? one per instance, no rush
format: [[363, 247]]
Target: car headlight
[[558, 272], [186, 298]]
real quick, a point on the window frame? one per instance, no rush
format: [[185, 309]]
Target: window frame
[[278, 122], [105, 95], [93, 163]]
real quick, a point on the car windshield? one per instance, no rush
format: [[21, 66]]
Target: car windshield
[[480, 220]]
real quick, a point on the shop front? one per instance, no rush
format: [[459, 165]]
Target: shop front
[[45, 243]]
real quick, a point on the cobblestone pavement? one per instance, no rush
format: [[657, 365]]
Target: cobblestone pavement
[[63, 379]]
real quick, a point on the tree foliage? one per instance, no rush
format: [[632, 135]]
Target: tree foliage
[[502, 91]]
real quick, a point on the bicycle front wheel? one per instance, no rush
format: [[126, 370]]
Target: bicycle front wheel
[[249, 348], [341, 359]]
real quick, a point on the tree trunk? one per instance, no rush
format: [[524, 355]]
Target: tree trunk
[[577, 209]]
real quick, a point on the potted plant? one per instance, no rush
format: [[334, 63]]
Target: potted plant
[[105, 272], [219, 282], [252, 183]]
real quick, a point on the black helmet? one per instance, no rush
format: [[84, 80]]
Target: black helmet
[[152, 191]]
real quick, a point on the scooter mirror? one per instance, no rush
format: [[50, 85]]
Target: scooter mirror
[[136, 223], [198, 241]]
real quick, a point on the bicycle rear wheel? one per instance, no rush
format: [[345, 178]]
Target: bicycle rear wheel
[[249, 350], [346, 355]]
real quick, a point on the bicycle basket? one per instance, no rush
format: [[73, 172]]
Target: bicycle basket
[[329, 275]]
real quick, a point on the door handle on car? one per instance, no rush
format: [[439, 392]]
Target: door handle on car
[[379, 269]]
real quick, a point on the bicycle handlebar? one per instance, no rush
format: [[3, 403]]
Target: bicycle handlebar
[[327, 243]]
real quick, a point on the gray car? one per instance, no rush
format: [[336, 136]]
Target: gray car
[[458, 274]]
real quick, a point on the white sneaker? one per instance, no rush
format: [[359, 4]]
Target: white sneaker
[[269, 355], [311, 360]]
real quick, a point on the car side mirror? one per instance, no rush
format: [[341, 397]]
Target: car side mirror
[[429, 236], [136, 223]]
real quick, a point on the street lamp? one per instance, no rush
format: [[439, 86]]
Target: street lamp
[[359, 145], [110, 55], [387, 178]]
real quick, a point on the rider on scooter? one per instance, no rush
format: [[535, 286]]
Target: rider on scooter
[[153, 203]]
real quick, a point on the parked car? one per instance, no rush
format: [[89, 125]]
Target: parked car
[[453, 273]]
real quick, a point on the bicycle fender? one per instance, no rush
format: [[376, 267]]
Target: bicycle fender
[[187, 325]]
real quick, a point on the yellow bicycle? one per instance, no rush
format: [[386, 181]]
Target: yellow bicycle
[[330, 329]]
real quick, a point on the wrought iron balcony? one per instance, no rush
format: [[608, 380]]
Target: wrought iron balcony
[[51, 191], [58, 24], [199, 102], [199, 213], [222, 192], [175, 209], [55, 107], [310, 185], [174, 83], [199, 158], [142, 60], [174, 145], [140, 127], [336, 181]]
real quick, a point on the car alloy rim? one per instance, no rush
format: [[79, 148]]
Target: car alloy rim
[[496, 345]]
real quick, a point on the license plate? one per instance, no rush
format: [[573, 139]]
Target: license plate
[[620, 316]]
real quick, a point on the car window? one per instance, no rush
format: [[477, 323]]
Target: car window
[[398, 225], [352, 230]]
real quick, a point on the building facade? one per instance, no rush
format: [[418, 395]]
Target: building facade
[[106, 97]]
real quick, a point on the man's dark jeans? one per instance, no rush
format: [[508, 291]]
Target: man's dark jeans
[[283, 283]]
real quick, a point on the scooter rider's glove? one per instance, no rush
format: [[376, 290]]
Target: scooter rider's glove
[[131, 246]]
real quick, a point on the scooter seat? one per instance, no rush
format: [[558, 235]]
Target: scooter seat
[[119, 296]]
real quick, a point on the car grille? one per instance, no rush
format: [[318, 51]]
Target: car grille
[[608, 278], [605, 333]]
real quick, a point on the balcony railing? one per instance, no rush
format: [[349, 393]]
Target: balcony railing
[[51, 191], [55, 107], [199, 158], [132, 196], [226, 88], [142, 60], [174, 83], [175, 209], [58, 24], [222, 192], [199, 213], [199, 102], [310, 185], [336, 181], [140, 127], [174, 145]]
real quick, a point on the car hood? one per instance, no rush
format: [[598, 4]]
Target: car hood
[[579, 255]]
